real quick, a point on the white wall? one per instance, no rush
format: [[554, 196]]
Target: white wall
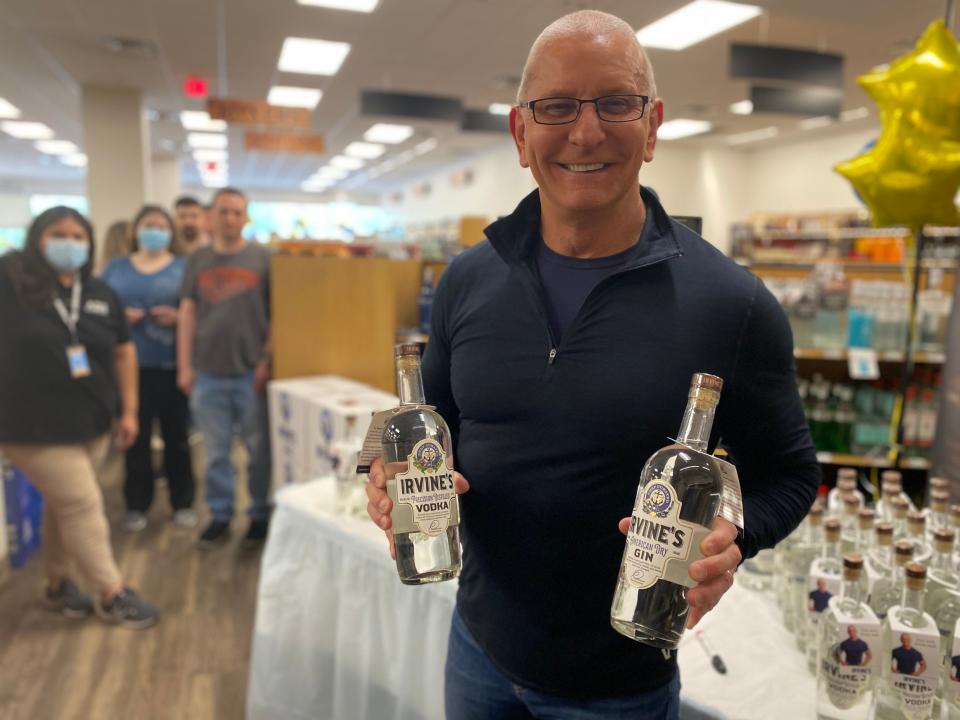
[[14, 210]]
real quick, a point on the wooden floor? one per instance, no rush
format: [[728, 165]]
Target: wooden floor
[[192, 665]]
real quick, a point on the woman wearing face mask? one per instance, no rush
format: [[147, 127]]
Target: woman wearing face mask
[[148, 283], [66, 366]]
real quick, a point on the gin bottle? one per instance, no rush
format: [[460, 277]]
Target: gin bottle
[[888, 591], [911, 655], [419, 467], [849, 643], [678, 498]]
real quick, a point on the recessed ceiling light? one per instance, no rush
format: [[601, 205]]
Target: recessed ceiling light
[[752, 136], [681, 128], [26, 130], [286, 96], [855, 114], [425, 147], [334, 173], [56, 147], [210, 155], [365, 6], [312, 57], [364, 150], [8, 111], [75, 160], [213, 182], [694, 23], [206, 140], [744, 107], [816, 122], [386, 133], [200, 121], [346, 163], [500, 108]]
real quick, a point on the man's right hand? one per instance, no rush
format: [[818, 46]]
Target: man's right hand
[[134, 315], [379, 505], [185, 380]]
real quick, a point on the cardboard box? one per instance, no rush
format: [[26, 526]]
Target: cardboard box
[[23, 515], [334, 419]]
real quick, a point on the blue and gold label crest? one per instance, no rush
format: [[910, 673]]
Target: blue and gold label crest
[[657, 499], [428, 457]]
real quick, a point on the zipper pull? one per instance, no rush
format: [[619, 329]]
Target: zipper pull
[[552, 356]]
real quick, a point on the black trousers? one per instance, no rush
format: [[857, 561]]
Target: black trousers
[[160, 399]]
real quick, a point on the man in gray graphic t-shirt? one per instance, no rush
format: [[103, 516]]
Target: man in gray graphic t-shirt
[[223, 361]]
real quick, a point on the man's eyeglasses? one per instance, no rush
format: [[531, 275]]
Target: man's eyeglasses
[[563, 110]]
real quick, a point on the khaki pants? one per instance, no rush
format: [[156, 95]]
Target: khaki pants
[[74, 525]]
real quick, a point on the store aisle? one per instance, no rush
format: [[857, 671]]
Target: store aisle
[[192, 665]]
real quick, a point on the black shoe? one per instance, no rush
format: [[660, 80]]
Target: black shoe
[[217, 533], [68, 599], [257, 532], [128, 609]]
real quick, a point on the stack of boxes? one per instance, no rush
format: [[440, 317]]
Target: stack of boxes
[[317, 423]]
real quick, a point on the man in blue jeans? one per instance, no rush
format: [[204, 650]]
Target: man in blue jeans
[[560, 355], [223, 362]]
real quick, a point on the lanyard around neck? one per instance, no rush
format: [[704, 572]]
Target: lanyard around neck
[[72, 318]]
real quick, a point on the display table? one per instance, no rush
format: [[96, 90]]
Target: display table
[[338, 637]]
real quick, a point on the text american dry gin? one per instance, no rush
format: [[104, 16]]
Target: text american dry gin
[[419, 467], [680, 491]]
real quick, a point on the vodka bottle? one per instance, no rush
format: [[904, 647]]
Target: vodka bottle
[[677, 501], [823, 584], [849, 521], [863, 538], [950, 688], [917, 534], [798, 569], [846, 485], [849, 643], [911, 655], [888, 590], [900, 509], [941, 575], [419, 465], [939, 510]]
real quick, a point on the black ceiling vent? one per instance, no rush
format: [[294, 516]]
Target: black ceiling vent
[[483, 121], [813, 101], [128, 47], [788, 64], [421, 107]]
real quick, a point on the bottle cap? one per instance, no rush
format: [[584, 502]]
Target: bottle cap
[[846, 473], [852, 567], [705, 391], [939, 500], [890, 489], [846, 485], [916, 522], [903, 552], [939, 483], [816, 514], [831, 529], [707, 382], [851, 504], [943, 540], [900, 507], [884, 531], [406, 350], [892, 476], [916, 576], [865, 518]]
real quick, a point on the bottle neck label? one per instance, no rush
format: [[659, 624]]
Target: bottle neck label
[[425, 501], [914, 663], [850, 655], [660, 546]]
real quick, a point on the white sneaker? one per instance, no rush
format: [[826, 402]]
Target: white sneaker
[[185, 518], [134, 521]]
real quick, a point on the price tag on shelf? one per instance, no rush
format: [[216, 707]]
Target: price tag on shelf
[[862, 363]]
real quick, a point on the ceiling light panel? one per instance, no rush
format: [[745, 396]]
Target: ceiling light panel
[[8, 111], [334, 173], [56, 147], [206, 140], [744, 107], [364, 150], [364, 6], [695, 23], [856, 114], [681, 128], [389, 134], [26, 130], [287, 96], [312, 57], [346, 163], [198, 121], [499, 108], [75, 160]]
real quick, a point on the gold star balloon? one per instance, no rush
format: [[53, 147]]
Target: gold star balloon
[[911, 175]]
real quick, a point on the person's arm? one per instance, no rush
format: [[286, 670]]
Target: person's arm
[[186, 331], [921, 669], [867, 657], [125, 356], [264, 368]]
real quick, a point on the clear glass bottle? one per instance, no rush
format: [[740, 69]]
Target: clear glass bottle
[[798, 569], [880, 557], [900, 508], [917, 534], [846, 485], [678, 499], [911, 666], [884, 507], [849, 521], [351, 498], [824, 582], [419, 465], [863, 539], [889, 589], [941, 575], [939, 509], [950, 686], [849, 643]]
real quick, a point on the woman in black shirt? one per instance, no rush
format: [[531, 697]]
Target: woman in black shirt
[[66, 366]]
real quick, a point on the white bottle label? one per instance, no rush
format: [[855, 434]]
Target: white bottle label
[[425, 497], [951, 688], [914, 665], [659, 544], [822, 585], [848, 663]]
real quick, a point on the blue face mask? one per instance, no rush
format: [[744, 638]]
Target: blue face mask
[[66, 254], [154, 239]]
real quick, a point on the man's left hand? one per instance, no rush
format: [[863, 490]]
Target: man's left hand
[[714, 572], [261, 376]]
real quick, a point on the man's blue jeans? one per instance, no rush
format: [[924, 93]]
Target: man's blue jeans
[[223, 406], [476, 690]]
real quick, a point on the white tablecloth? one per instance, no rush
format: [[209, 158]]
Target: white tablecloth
[[338, 637]]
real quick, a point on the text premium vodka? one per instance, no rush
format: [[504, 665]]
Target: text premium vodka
[[680, 491], [419, 467]]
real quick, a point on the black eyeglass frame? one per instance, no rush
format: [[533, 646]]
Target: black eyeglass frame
[[531, 105]]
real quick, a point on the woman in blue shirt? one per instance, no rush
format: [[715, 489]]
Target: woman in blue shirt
[[148, 283]]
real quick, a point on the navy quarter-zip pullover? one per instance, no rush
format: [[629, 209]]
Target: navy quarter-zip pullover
[[552, 434]]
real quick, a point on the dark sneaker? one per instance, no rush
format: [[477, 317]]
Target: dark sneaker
[[257, 532], [217, 533], [67, 599], [128, 609]]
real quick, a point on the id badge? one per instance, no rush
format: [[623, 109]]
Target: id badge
[[78, 361]]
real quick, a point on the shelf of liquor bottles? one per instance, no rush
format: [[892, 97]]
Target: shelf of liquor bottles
[[864, 461]]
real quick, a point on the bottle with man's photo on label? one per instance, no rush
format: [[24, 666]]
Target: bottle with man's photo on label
[[419, 466], [679, 496]]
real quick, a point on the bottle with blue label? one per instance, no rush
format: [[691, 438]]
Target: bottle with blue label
[[680, 493]]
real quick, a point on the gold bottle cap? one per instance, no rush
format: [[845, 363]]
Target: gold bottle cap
[[708, 382], [846, 473], [705, 391], [916, 522], [852, 567], [943, 540], [903, 552], [851, 504], [816, 514], [865, 518], [831, 530], [939, 483], [406, 349], [916, 576], [884, 531], [900, 507]]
